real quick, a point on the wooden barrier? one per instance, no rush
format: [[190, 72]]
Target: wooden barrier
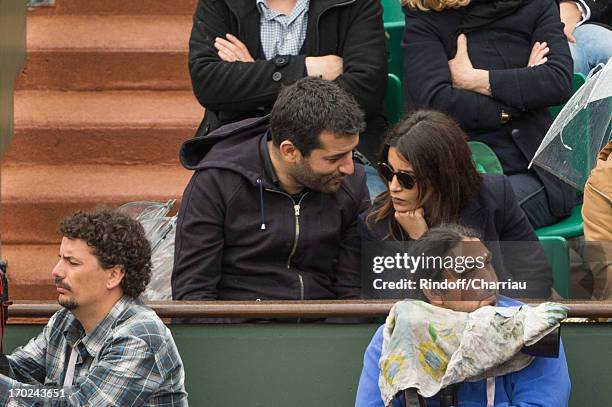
[[286, 309]]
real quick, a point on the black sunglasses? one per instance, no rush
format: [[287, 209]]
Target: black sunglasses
[[405, 179]]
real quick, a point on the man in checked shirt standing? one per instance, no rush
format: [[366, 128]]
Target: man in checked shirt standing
[[242, 52], [105, 347]]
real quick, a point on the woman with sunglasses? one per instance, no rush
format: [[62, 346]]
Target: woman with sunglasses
[[431, 181]]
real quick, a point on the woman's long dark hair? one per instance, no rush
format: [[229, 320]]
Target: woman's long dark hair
[[437, 149]]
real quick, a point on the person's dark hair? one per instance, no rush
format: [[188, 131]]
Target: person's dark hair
[[436, 242], [437, 149], [310, 106], [116, 240]]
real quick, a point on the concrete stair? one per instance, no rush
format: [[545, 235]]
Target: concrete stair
[[118, 7], [101, 108], [112, 52]]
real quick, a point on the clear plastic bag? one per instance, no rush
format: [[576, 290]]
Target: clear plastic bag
[[160, 231]]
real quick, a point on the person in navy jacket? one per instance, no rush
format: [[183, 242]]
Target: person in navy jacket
[[495, 67]]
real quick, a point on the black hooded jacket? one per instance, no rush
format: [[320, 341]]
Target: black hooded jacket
[[240, 237]]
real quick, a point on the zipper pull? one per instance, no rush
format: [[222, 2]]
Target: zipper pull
[[296, 208]]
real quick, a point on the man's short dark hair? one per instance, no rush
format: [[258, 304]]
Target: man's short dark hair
[[116, 240], [309, 107], [437, 242]]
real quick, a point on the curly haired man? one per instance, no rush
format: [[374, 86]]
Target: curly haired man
[[105, 347]]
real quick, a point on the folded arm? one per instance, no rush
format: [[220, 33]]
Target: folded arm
[[428, 81], [548, 84], [236, 86]]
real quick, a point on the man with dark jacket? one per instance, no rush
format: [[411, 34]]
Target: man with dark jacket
[[242, 51], [271, 210]]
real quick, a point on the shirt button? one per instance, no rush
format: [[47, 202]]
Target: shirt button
[[277, 76]]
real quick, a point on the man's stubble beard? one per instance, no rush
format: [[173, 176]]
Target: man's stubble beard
[[306, 177], [68, 304]]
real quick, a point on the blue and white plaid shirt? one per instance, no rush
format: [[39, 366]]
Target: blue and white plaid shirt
[[129, 359], [282, 34]]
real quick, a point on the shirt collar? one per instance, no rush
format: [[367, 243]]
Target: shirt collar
[[95, 340], [300, 7]]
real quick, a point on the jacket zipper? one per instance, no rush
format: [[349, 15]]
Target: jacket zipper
[[296, 211]]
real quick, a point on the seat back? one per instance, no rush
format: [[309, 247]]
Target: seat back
[[557, 253], [394, 32], [572, 226], [484, 158], [392, 11], [393, 98]]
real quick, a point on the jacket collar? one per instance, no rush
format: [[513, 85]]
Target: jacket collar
[[247, 15], [245, 8]]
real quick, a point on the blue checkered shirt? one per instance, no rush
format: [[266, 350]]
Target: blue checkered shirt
[[129, 359], [282, 34]]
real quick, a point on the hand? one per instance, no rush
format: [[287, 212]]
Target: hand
[[570, 16], [232, 49], [413, 222], [538, 54], [328, 67], [463, 74]]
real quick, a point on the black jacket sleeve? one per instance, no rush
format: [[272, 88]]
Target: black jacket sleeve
[[199, 239], [347, 276], [364, 57], [428, 83], [545, 85], [234, 86], [523, 255], [601, 11]]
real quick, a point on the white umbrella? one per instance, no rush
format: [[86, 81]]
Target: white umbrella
[[569, 149]]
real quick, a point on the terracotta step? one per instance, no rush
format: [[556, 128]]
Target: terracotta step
[[29, 270], [106, 52], [36, 198], [63, 7], [118, 127]]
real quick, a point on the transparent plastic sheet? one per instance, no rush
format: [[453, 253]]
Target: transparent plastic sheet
[[147, 210], [569, 149], [163, 261], [160, 231]]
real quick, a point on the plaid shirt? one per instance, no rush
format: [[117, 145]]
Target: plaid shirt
[[282, 34], [129, 359]]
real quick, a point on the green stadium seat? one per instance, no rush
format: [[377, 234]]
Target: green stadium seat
[[486, 161], [392, 11], [557, 254], [572, 226], [394, 32], [484, 158], [393, 98]]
